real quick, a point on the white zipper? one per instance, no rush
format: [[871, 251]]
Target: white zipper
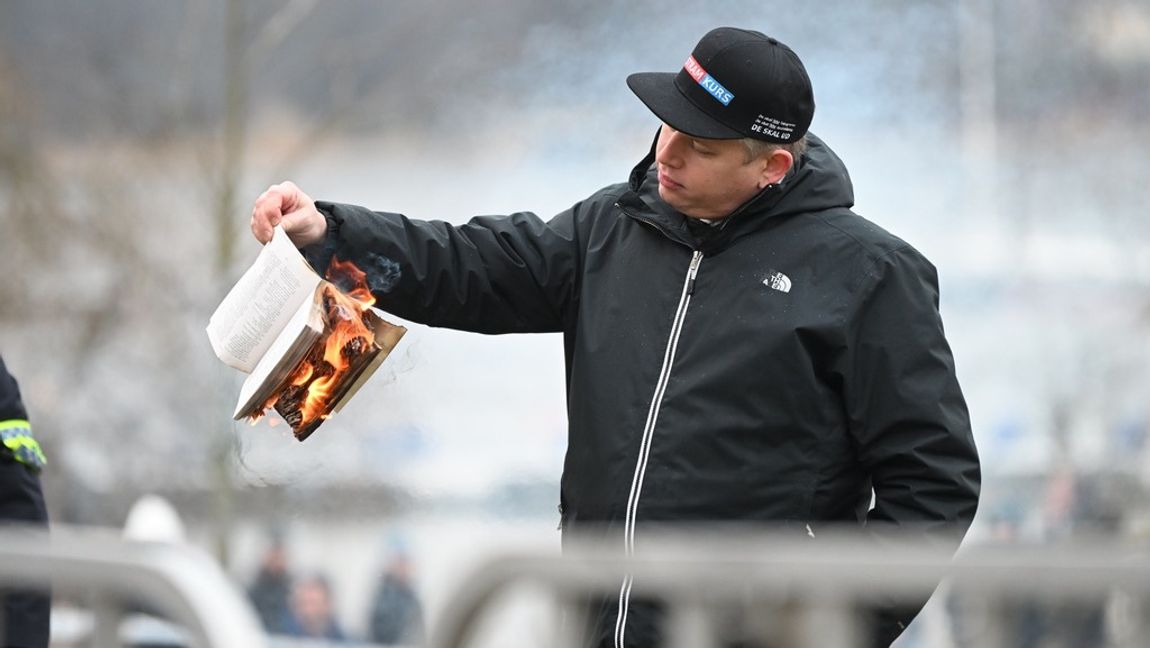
[[645, 444]]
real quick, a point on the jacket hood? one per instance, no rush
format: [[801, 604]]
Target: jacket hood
[[818, 181]]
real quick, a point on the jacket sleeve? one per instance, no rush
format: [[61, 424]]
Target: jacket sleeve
[[909, 420], [905, 407], [494, 274], [21, 498], [11, 405], [16, 440]]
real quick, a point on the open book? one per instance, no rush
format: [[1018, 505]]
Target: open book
[[306, 346]]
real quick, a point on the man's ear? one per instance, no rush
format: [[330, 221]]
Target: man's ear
[[775, 166]]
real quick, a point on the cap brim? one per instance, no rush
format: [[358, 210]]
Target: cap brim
[[658, 91]]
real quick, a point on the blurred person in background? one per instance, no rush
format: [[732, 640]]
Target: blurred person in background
[[24, 615], [739, 345], [313, 610], [396, 613], [271, 590]]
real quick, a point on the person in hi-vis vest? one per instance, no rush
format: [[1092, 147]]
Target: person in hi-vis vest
[[23, 614]]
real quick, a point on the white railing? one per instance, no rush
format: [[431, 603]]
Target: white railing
[[790, 593], [116, 577], [778, 591]]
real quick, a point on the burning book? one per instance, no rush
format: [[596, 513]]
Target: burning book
[[307, 345]]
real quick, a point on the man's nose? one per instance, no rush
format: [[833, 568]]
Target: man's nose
[[670, 153]]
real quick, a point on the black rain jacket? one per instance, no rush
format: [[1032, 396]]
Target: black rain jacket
[[24, 614], [774, 369]]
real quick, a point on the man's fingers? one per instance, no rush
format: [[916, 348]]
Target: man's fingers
[[270, 208], [262, 222], [285, 204], [260, 228]]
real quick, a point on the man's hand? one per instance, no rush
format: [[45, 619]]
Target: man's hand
[[284, 204]]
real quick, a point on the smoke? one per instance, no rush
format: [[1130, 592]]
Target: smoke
[[382, 273]]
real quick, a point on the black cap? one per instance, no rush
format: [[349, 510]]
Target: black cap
[[737, 83]]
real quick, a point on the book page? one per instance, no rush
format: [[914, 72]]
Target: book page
[[302, 330], [260, 304]]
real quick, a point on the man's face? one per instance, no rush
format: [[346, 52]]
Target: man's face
[[705, 178]]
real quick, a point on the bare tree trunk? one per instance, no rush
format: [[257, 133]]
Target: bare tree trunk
[[231, 170]]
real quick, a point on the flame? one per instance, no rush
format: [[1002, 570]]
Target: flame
[[353, 280], [303, 372], [320, 373]]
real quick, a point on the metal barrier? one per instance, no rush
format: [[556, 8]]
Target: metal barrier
[[789, 593], [772, 591], [178, 582]]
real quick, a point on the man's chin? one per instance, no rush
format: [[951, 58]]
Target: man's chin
[[670, 198]]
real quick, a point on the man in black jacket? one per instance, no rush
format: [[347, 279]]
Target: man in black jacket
[[23, 614], [740, 346]]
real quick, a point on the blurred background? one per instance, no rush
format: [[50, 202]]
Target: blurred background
[[1005, 139]]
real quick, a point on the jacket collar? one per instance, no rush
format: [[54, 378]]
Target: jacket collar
[[818, 181]]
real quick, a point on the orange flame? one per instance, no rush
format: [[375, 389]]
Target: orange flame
[[345, 323], [348, 274]]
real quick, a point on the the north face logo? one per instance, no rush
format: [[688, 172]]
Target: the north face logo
[[778, 281]]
